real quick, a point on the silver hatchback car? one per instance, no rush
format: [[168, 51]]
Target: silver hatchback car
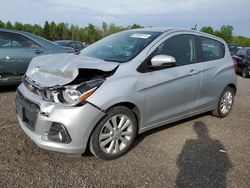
[[121, 86]]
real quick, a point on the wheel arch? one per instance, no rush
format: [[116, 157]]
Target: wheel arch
[[233, 86], [132, 107], [128, 105]]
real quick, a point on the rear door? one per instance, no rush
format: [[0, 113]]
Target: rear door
[[172, 92], [216, 71], [16, 52]]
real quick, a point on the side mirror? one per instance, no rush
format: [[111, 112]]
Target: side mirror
[[163, 61]]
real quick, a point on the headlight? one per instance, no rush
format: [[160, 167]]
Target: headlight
[[74, 94]]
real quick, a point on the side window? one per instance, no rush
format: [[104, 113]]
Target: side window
[[32, 44], [211, 49], [8, 40], [72, 45], [79, 45], [12, 40], [181, 47]]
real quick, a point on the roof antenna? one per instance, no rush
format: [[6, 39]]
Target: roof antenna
[[195, 27]]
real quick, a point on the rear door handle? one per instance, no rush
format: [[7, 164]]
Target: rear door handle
[[193, 72], [38, 51]]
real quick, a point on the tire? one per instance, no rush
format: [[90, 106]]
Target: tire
[[225, 103], [245, 73], [114, 135]]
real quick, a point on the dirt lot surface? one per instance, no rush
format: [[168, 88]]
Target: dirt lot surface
[[203, 151]]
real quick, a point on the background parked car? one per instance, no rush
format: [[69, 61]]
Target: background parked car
[[78, 46], [233, 48], [17, 48], [242, 58]]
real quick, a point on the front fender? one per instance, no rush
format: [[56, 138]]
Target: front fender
[[120, 90]]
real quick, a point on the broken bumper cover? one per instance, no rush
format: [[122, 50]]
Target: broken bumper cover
[[37, 118]]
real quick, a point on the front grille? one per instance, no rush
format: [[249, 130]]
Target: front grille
[[27, 110], [35, 89]]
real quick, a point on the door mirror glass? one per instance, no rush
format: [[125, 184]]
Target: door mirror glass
[[163, 61]]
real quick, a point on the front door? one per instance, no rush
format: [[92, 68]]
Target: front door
[[172, 92]]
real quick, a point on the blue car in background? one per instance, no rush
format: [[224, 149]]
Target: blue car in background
[[17, 48], [77, 45]]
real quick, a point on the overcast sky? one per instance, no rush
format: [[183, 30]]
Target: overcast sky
[[156, 13]]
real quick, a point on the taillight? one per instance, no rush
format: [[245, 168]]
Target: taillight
[[234, 63]]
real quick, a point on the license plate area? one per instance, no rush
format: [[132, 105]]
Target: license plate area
[[27, 111]]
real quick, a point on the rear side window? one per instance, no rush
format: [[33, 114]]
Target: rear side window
[[211, 49], [72, 45], [78, 45], [12, 40]]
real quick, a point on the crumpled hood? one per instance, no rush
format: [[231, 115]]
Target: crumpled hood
[[61, 69]]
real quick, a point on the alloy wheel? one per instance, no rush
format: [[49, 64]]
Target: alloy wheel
[[116, 134], [226, 102]]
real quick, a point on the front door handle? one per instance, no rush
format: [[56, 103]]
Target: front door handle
[[38, 51], [193, 72]]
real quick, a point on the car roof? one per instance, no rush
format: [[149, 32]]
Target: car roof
[[244, 48], [168, 29], [165, 29], [64, 41], [67, 41], [13, 31]]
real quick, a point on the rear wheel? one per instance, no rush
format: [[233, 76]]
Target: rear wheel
[[114, 134], [225, 103], [245, 72]]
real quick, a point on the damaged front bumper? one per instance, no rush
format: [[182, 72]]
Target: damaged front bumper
[[56, 127]]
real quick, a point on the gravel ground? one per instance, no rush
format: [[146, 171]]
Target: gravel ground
[[203, 151]]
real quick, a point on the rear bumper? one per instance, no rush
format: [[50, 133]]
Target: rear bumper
[[78, 121]]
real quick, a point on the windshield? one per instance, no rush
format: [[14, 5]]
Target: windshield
[[120, 47]]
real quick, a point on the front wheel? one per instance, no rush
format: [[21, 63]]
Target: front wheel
[[225, 103], [114, 134]]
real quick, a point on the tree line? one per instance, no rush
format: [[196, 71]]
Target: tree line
[[91, 33], [64, 31], [226, 33]]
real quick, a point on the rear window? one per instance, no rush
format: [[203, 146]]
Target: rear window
[[242, 52], [211, 49]]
